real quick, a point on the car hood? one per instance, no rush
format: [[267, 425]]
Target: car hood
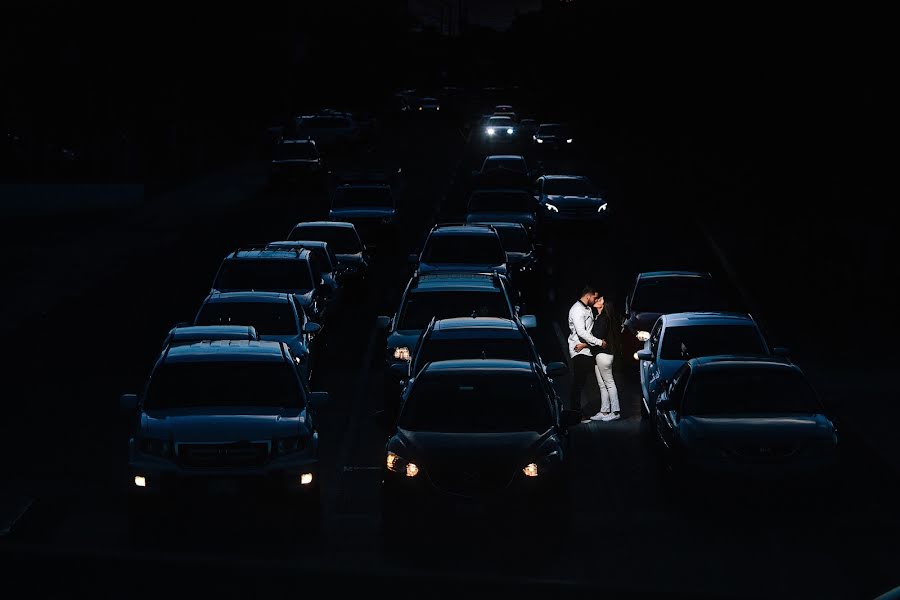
[[437, 450], [488, 216], [223, 424], [576, 201], [461, 267], [736, 430], [344, 214]]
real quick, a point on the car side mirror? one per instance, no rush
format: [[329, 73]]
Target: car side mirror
[[645, 355], [781, 351], [569, 418], [382, 322], [528, 321], [312, 328], [318, 400], [128, 403], [555, 369]]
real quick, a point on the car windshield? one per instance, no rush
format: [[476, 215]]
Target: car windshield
[[201, 384], [499, 122], [342, 240], [552, 130], [514, 239], [465, 249], [269, 318], [677, 294], [684, 343], [501, 201], [355, 197], [513, 164], [476, 403], [569, 187], [749, 391], [507, 349], [266, 275], [296, 152], [421, 307]]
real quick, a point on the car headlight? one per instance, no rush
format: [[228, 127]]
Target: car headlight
[[156, 447], [437, 108], [569, 141], [642, 336], [509, 131], [491, 131], [420, 108], [401, 353], [602, 207], [539, 140], [398, 464], [530, 470], [551, 208], [288, 445]]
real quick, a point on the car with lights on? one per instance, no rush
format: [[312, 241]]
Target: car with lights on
[[275, 317], [735, 419], [676, 338], [441, 295], [476, 437], [223, 419], [459, 247], [503, 205], [499, 130], [662, 292], [570, 199], [429, 105], [553, 136], [352, 254]]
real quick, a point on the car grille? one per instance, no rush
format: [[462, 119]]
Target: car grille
[[577, 212], [471, 483], [223, 455]]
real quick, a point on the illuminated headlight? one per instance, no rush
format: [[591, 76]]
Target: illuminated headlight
[[491, 131], [397, 464], [551, 208], [602, 207], [401, 353], [140, 481], [569, 141], [437, 108], [420, 108], [531, 470], [642, 336], [539, 140], [288, 445], [306, 478], [509, 131], [155, 447]]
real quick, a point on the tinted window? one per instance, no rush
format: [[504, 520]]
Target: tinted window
[[342, 239], [470, 249], [269, 318], [296, 151], [677, 294], [266, 275], [749, 391], [568, 187], [501, 201], [513, 164], [435, 350], [500, 122], [514, 239], [356, 197], [182, 385], [476, 403], [684, 343], [421, 307], [550, 130]]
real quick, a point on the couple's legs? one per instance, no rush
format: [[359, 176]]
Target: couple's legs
[[582, 365], [609, 395]]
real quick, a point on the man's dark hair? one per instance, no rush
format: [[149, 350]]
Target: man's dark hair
[[588, 289]]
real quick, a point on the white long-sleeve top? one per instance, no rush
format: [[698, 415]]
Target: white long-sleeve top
[[581, 321]]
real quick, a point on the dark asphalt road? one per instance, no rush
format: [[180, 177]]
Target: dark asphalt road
[[63, 442]]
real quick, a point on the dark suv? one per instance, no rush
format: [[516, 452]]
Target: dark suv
[[221, 418]]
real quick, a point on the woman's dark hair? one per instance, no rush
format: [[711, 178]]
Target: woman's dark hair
[[613, 332]]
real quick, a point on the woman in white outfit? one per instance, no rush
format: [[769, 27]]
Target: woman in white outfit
[[609, 395]]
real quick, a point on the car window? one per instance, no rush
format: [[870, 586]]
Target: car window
[[684, 343], [569, 187], [355, 197], [677, 294], [514, 239], [501, 201], [269, 318], [296, 151], [264, 274], [342, 239], [201, 384], [654, 337], [507, 349], [469, 249], [513, 164], [421, 307]]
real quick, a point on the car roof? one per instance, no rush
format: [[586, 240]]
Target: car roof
[[470, 365], [674, 275], [562, 177], [505, 157], [460, 230], [730, 361], [365, 186], [262, 297], [196, 333], [707, 318], [304, 141], [504, 225], [500, 118], [442, 281], [475, 328], [335, 224], [270, 254], [226, 351]]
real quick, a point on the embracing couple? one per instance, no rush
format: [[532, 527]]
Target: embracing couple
[[591, 332]]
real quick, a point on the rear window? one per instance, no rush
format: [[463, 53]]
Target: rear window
[[506, 349], [468, 250], [749, 391], [362, 197], [501, 201], [264, 275], [342, 240], [677, 294], [421, 307], [513, 164], [684, 343], [296, 152], [200, 384], [269, 318]]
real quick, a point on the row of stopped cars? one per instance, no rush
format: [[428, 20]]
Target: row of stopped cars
[[228, 406], [719, 400], [473, 421], [503, 127]]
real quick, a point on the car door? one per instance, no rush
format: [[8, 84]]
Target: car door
[[650, 378], [667, 415]]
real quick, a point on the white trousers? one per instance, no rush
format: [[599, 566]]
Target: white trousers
[[609, 395]]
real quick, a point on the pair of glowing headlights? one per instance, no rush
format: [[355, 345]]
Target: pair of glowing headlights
[[540, 141], [493, 131], [398, 464], [401, 353], [553, 208]]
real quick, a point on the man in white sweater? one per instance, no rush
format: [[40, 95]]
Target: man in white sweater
[[581, 321]]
